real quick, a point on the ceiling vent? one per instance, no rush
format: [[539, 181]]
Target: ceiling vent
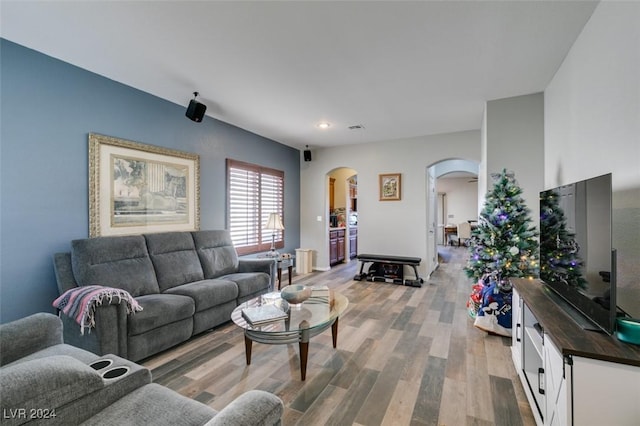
[[356, 127]]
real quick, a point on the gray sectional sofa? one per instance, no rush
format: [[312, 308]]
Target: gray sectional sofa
[[45, 381], [186, 283]]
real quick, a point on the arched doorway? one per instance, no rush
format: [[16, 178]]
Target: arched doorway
[[440, 211], [342, 196]]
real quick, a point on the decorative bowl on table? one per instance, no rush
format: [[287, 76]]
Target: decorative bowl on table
[[295, 294]]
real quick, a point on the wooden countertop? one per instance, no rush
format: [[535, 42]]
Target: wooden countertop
[[568, 336]]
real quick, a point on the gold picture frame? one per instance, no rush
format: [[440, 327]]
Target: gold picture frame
[[390, 186], [137, 188]]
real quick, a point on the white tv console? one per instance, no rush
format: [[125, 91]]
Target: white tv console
[[571, 376]]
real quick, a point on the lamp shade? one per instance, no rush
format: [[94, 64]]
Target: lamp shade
[[274, 222]]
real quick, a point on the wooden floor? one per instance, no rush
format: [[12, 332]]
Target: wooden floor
[[405, 356]]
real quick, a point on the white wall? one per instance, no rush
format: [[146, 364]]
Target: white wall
[[515, 141], [483, 179], [592, 113], [592, 125], [461, 199], [588, 118], [450, 166], [384, 227]]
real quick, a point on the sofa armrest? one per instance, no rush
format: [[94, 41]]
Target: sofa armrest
[[254, 407], [268, 266], [45, 384], [28, 335], [256, 265], [109, 335]]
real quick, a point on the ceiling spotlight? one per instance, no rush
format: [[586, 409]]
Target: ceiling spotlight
[[323, 125], [195, 110]]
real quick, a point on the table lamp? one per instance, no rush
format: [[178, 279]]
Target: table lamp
[[274, 224]]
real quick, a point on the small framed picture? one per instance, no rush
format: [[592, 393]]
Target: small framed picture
[[390, 186]]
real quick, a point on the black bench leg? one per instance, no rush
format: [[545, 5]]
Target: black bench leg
[[360, 275], [417, 282]]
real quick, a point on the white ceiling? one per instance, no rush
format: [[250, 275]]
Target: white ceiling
[[400, 69]]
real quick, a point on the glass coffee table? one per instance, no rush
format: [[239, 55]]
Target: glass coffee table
[[303, 321]]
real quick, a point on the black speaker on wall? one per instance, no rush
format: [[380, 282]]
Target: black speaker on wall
[[195, 110], [307, 154]]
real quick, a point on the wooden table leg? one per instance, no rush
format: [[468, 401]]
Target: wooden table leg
[[290, 269], [304, 355], [280, 276], [334, 333], [247, 349]]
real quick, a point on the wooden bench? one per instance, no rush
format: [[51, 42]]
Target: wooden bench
[[388, 269]]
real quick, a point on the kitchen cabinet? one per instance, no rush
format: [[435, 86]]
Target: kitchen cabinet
[[336, 246], [353, 242], [333, 251]]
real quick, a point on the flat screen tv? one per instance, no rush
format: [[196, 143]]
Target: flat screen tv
[[577, 260]]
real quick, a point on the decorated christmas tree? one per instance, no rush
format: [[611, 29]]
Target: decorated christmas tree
[[505, 241], [559, 260]]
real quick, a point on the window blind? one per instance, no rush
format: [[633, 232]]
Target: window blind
[[253, 193]]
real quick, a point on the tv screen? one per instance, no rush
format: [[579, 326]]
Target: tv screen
[[576, 257]]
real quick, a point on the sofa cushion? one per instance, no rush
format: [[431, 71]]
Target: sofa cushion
[[159, 310], [207, 293], [153, 405], [174, 258], [120, 262], [46, 383], [249, 282], [216, 251]]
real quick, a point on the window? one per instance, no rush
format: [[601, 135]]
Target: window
[[253, 192]]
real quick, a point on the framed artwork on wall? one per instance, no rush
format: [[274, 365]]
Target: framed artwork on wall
[[390, 186], [137, 188]]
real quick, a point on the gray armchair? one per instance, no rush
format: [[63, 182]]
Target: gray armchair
[[64, 385]]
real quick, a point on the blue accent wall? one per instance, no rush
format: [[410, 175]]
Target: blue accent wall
[[48, 108]]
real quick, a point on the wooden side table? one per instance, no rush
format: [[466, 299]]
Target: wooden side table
[[449, 230], [284, 263]]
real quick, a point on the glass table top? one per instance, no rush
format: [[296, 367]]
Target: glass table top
[[322, 308]]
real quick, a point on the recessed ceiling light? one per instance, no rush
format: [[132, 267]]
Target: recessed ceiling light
[[323, 125]]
